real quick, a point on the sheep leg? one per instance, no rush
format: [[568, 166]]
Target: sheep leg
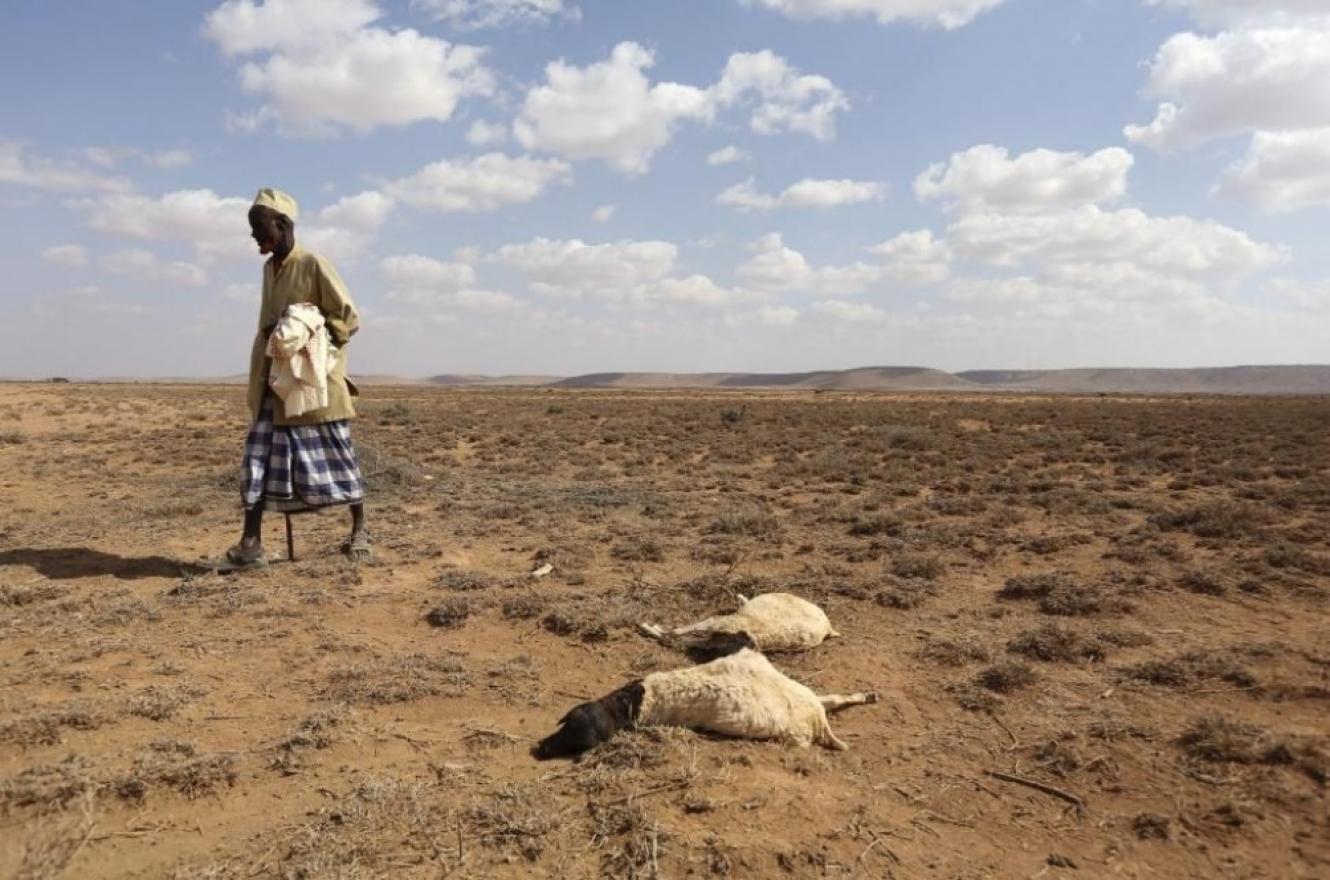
[[836, 702], [651, 631]]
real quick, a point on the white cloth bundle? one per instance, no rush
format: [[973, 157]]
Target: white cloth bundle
[[302, 358]]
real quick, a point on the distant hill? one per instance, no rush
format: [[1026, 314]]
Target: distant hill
[[1297, 379], [514, 381], [1309, 379], [864, 378]]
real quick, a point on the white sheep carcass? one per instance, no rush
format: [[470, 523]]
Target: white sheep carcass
[[773, 622], [740, 695]]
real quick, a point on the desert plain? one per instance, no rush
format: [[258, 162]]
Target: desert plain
[[1097, 625]]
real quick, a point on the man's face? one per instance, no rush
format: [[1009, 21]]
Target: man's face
[[265, 227]]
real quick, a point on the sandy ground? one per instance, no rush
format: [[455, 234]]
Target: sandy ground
[[1098, 627]]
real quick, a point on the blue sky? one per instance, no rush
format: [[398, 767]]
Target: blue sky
[[566, 186]]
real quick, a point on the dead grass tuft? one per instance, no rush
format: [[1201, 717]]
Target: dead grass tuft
[[1191, 668], [1051, 643], [398, 679], [1005, 677], [958, 651], [451, 613]]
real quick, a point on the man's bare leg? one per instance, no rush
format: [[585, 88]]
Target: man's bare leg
[[252, 537], [357, 543]]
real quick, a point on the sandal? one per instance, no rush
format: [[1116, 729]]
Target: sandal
[[358, 546], [236, 558]]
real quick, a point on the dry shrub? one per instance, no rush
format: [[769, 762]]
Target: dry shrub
[[49, 849], [1193, 667], [947, 651], [313, 732], [920, 566], [638, 548], [1215, 519], [1060, 595], [44, 728], [47, 786], [905, 593], [524, 606], [19, 595], [159, 702], [398, 679], [1150, 826], [632, 843], [466, 580], [175, 765], [1005, 677], [515, 819], [451, 613], [747, 523], [1214, 738], [1054, 644]]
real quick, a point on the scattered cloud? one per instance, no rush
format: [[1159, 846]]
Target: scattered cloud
[[615, 271], [807, 193], [21, 167], [774, 267], [603, 213], [947, 14], [213, 224], [1282, 171], [726, 155], [778, 316], [108, 157], [1268, 79], [423, 281], [608, 110], [475, 14], [914, 258], [782, 99], [325, 68], [985, 177], [849, 312], [346, 229], [486, 134], [484, 183], [1090, 235], [1237, 12], [611, 111], [72, 255], [145, 266]]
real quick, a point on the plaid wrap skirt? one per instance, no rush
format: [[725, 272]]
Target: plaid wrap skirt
[[297, 467]]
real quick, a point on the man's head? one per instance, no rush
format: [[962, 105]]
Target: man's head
[[272, 220]]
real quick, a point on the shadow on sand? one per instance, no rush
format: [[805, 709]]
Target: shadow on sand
[[67, 563]]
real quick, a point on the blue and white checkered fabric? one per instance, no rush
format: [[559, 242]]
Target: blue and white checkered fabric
[[295, 467]]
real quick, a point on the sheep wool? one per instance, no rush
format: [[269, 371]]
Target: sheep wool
[[740, 695], [774, 622]]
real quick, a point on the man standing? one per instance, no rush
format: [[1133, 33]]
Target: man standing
[[301, 461]]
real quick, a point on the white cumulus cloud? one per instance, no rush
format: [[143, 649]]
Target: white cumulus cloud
[[985, 177], [616, 271], [610, 110], [726, 155], [1282, 171], [326, 67], [72, 255], [1236, 12], [775, 267], [213, 224], [21, 167], [914, 257], [347, 228], [1258, 78], [484, 183], [807, 193], [472, 14], [780, 96], [1090, 235], [947, 14], [778, 316], [145, 266], [486, 134]]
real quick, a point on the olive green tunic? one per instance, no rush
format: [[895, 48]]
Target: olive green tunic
[[305, 277]]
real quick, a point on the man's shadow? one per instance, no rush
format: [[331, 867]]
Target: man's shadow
[[67, 563]]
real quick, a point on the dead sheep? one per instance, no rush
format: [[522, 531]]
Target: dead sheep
[[773, 621], [740, 695]]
